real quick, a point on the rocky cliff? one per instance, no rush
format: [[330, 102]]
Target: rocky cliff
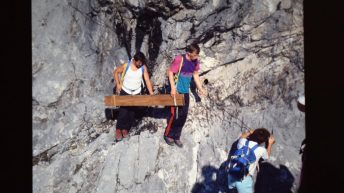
[[252, 67]]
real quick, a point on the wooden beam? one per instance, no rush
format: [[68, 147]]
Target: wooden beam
[[144, 100]]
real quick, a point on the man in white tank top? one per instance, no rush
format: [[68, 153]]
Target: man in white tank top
[[130, 84]]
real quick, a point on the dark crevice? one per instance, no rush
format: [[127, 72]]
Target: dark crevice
[[165, 8], [59, 100], [34, 102], [216, 12], [124, 36], [36, 67], [104, 3], [134, 10], [242, 11], [279, 6], [212, 32], [44, 156], [93, 13], [149, 24], [189, 5], [78, 166], [150, 126], [236, 99]]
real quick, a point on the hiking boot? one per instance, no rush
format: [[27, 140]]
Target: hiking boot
[[125, 133], [118, 136], [178, 143], [168, 140]]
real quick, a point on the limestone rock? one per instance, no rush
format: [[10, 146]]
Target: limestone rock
[[252, 61]]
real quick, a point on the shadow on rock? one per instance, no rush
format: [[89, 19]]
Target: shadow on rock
[[214, 180], [271, 179], [141, 112], [193, 90]]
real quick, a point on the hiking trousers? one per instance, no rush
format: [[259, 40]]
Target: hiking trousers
[[175, 125], [242, 186], [126, 115]]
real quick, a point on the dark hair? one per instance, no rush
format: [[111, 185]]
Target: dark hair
[[192, 47], [139, 56], [260, 136]]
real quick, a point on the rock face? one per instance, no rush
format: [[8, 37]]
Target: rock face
[[252, 61]]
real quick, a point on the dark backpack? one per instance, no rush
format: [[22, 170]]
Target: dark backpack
[[240, 161]]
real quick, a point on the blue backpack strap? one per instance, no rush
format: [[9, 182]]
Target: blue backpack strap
[[143, 70], [251, 150], [254, 147], [247, 149], [246, 142], [125, 71]]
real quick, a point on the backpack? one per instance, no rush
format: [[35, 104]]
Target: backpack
[[240, 161]]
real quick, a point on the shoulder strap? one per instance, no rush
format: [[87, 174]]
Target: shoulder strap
[[254, 147], [180, 67], [142, 80], [246, 143], [126, 66]]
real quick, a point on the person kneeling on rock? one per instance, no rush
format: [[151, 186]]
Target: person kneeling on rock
[[243, 162]]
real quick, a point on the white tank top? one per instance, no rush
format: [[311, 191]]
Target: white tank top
[[132, 81]]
